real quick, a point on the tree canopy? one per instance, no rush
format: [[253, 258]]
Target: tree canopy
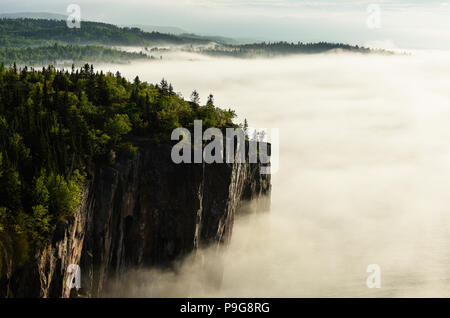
[[57, 125]]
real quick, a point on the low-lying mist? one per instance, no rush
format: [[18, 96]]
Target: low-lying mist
[[364, 176]]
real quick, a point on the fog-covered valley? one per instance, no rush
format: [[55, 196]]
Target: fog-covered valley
[[363, 176]]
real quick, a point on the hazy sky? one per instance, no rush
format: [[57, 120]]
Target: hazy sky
[[404, 24]]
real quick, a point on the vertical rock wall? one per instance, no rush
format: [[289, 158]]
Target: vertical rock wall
[[141, 212]]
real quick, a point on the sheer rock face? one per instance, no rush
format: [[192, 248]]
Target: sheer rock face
[[139, 213]]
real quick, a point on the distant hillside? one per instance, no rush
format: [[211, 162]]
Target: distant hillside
[[67, 55], [159, 29], [34, 15], [282, 48], [33, 32], [212, 38], [56, 16]]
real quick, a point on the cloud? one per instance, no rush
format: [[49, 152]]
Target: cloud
[[363, 178]]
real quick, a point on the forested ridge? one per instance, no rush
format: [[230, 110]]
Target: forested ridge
[[57, 125], [33, 32], [282, 48], [67, 54]]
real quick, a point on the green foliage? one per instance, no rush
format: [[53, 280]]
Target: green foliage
[[65, 54], [29, 32], [117, 126], [41, 221], [282, 48], [56, 126], [128, 149], [41, 195], [64, 193]]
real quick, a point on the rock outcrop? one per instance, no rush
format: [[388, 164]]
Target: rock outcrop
[[138, 213]]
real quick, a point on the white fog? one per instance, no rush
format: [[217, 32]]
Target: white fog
[[364, 174]]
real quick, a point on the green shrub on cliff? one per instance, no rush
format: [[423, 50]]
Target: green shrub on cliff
[[118, 126], [65, 194]]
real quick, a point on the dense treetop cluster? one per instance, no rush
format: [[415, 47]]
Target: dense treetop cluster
[[57, 125]]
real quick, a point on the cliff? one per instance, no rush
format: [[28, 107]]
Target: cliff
[[138, 213]]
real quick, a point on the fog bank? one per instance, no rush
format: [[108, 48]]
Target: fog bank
[[364, 176]]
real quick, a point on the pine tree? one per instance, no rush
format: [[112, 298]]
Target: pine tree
[[245, 126], [210, 101], [195, 98]]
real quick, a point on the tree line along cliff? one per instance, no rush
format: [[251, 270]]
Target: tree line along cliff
[[57, 126]]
